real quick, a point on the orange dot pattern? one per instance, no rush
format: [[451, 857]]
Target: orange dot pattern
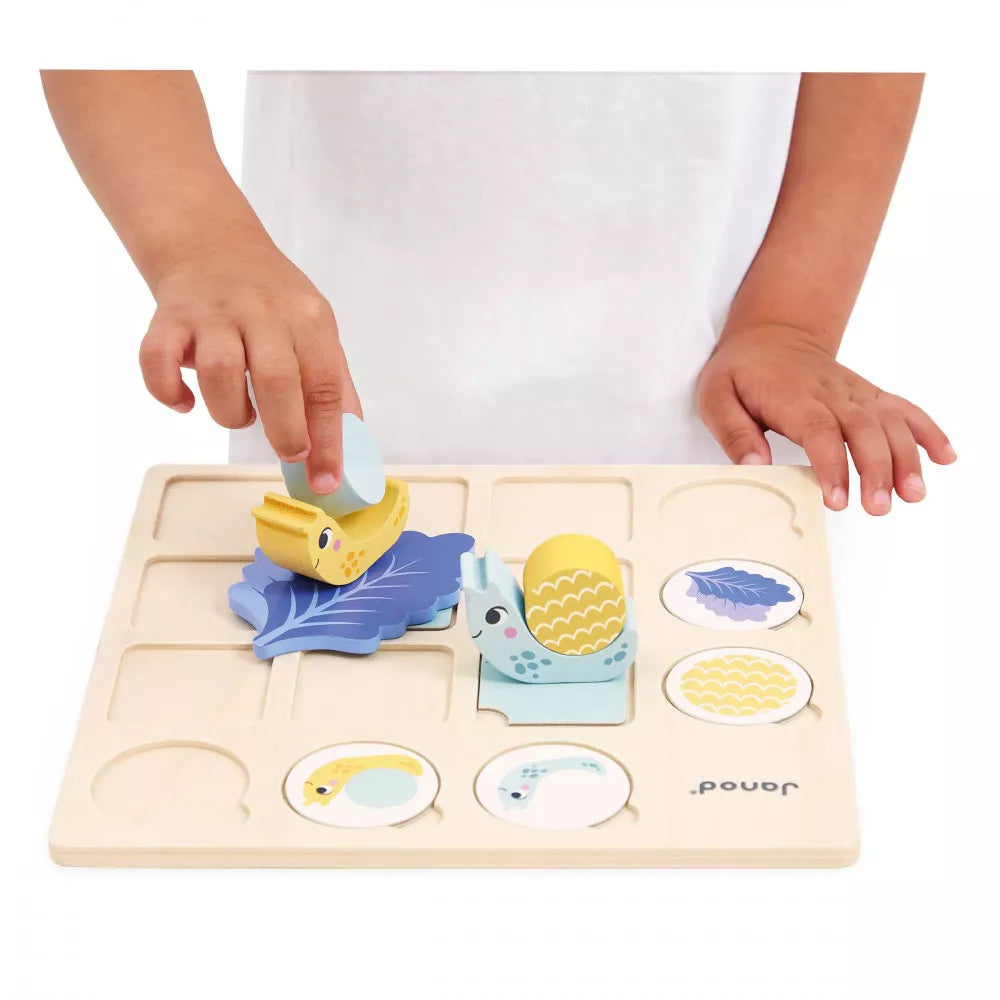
[[349, 567]]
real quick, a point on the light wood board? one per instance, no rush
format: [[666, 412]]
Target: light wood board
[[185, 738]]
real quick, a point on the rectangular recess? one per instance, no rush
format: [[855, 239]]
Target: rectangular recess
[[437, 506], [395, 683], [189, 684], [211, 513], [186, 600], [525, 512]]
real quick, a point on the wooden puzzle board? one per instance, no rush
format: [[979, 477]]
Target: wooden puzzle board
[[185, 738]]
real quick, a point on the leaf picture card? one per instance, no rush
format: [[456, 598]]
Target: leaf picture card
[[732, 594]]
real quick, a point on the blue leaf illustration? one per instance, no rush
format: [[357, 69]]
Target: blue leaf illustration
[[418, 577], [739, 587]]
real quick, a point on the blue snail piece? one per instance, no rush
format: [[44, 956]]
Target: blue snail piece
[[495, 611]]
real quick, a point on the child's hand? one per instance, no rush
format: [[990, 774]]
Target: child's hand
[[243, 306], [779, 378]]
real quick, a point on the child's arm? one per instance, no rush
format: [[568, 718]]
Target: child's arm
[[227, 300], [774, 366]]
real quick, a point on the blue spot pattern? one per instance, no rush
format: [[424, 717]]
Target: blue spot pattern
[[518, 785]]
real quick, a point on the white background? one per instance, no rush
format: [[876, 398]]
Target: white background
[[917, 591]]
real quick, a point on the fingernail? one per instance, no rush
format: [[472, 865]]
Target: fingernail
[[881, 501], [949, 453], [838, 498], [250, 422], [324, 483], [183, 407], [914, 485], [300, 457], [752, 459]]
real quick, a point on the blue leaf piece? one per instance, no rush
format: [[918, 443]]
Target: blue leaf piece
[[740, 587], [418, 577], [247, 599]]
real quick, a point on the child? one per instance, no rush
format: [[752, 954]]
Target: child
[[559, 268]]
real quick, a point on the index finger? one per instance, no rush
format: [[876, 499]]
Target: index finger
[[274, 372], [323, 395]]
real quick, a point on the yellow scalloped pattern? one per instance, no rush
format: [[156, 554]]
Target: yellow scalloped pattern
[[738, 685], [576, 612]]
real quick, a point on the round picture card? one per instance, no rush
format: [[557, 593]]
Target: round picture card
[[732, 594], [738, 687], [553, 786], [362, 785]]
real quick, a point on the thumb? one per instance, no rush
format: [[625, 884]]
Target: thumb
[[723, 413]]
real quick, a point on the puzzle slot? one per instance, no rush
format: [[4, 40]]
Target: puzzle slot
[[158, 684], [428, 819], [185, 600], [525, 512], [715, 514], [181, 786], [806, 718], [438, 506], [189, 515], [626, 817], [370, 693]]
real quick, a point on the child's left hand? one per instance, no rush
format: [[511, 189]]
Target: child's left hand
[[779, 378]]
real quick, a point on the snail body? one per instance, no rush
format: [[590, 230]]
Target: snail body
[[571, 622]]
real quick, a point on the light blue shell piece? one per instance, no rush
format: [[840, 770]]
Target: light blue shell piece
[[517, 787], [363, 483], [488, 584]]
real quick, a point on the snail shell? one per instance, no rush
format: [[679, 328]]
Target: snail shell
[[574, 598]]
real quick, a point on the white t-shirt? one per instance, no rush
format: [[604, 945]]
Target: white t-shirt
[[525, 267]]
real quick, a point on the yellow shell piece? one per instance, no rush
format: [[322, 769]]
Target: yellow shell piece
[[738, 685], [574, 598], [328, 781], [306, 540]]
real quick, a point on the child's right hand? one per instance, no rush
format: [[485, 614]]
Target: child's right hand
[[241, 306]]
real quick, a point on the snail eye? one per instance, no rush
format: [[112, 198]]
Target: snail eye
[[515, 795], [495, 615], [323, 790], [325, 537]]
